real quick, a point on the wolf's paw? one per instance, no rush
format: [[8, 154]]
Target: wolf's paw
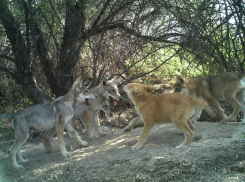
[[17, 166], [179, 146], [93, 137], [127, 129], [84, 131], [83, 143], [224, 121], [135, 147], [24, 160], [103, 133], [69, 154]]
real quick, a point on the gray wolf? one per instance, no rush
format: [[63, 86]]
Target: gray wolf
[[163, 108], [222, 87], [106, 90], [102, 112], [48, 116]]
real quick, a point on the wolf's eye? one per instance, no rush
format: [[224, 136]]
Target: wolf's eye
[[113, 90]]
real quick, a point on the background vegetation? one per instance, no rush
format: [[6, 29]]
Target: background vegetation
[[46, 44]]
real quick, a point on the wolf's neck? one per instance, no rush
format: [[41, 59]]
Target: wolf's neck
[[141, 100], [69, 100]]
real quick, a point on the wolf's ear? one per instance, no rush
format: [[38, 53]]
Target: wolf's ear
[[137, 91], [115, 79], [149, 88], [104, 82], [78, 83], [179, 79]]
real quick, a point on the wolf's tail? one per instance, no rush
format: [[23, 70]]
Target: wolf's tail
[[204, 105], [6, 115]]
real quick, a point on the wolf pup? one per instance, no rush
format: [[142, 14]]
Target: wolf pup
[[102, 111], [223, 87], [43, 117], [163, 108], [107, 90]]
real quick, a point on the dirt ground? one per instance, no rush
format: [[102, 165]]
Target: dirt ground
[[215, 154]]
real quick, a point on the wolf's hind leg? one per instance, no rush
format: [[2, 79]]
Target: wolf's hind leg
[[19, 156], [14, 151]]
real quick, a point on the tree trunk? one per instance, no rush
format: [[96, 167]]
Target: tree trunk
[[74, 30], [23, 72]]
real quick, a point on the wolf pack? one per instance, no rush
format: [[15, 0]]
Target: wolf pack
[[182, 108]]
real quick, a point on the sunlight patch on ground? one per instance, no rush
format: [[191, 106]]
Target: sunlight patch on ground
[[157, 158], [119, 141], [55, 167]]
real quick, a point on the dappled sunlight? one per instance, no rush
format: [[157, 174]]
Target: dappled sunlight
[[97, 147], [158, 158], [110, 155], [119, 141]]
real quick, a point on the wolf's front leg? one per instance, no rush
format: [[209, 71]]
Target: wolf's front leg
[[89, 119], [97, 124], [60, 134], [147, 128]]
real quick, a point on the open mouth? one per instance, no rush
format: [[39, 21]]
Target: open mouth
[[113, 101], [87, 102], [102, 115]]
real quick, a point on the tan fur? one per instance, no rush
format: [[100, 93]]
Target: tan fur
[[53, 116], [138, 121], [223, 87], [163, 108]]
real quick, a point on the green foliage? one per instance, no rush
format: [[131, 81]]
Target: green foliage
[[12, 99]]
